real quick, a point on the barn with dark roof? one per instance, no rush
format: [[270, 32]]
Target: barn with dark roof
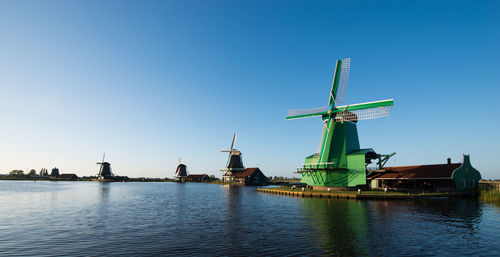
[[235, 172], [448, 177], [197, 177], [250, 177], [69, 176]]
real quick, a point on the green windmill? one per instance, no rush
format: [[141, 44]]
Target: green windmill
[[340, 161]]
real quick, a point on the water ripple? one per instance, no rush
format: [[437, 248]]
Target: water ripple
[[151, 219]]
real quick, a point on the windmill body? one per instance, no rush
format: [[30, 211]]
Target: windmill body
[[234, 163], [340, 162], [106, 175], [105, 170], [181, 172]]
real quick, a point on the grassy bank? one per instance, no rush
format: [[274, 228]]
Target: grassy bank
[[490, 195], [489, 191]]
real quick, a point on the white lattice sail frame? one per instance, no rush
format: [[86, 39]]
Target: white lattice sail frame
[[300, 112], [365, 114], [343, 80]]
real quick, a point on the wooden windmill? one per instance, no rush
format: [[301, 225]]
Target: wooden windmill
[[105, 169], [181, 171], [106, 175], [340, 161], [234, 162]]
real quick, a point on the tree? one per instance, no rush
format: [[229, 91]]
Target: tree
[[16, 173], [32, 172]]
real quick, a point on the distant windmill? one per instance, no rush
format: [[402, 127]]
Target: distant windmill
[[181, 171], [105, 170], [340, 161], [234, 161]]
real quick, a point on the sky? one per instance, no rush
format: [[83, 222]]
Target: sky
[[148, 82]]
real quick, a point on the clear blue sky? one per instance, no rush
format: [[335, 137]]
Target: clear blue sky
[[148, 82]]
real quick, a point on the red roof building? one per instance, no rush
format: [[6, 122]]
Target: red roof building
[[250, 177]]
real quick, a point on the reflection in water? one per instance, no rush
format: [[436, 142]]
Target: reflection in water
[[349, 227], [495, 203], [102, 210], [179, 196], [157, 219], [104, 190], [341, 225], [233, 219]]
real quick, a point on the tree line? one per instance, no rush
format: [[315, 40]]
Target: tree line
[[32, 172]]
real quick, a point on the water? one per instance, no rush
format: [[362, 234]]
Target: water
[[116, 219]]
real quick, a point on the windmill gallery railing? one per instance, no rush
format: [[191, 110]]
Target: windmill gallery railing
[[316, 167], [233, 169]]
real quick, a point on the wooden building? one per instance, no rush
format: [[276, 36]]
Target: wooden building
[[250, 177], [197, 177], [180, 172], [448, 177], [68, 176]]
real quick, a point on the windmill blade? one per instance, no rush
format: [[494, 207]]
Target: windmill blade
[[365, 111], [343, 80], [232, 143], [104, 155], [364, 114], [339, 83], [353, 107], [303, 113]]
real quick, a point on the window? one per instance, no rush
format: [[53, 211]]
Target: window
[[472, 183], [462, 183]]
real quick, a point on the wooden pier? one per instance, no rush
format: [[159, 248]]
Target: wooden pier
[[355, 195]]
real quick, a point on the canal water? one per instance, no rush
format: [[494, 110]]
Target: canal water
[[149, 219]]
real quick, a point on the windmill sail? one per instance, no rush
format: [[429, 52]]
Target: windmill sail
[[364, 111], [343, 80], [365, 114], [234, 139], [302, 113], [352, 107]]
